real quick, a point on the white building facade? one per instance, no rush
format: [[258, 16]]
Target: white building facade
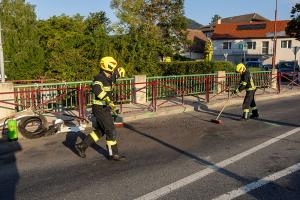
[[238, 46]]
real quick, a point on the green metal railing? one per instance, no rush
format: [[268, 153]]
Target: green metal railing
[[261, 78], [164, 87], [35, 94], [168, 86]]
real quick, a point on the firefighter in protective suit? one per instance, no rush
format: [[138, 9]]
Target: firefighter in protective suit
[[102, 108], [246, 83]]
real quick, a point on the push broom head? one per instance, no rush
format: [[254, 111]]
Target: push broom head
[[216, 121], [118, 121]]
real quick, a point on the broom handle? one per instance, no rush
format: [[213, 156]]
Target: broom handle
[[223, 108]]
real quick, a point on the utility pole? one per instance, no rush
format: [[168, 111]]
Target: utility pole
[[295, 51], [1, 58], [275, 39]]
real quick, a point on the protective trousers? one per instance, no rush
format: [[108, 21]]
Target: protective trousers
[[105, 126], [249, 102]]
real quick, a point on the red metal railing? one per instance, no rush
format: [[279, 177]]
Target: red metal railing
[[171, 93]]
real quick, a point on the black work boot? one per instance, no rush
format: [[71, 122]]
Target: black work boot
[[117, 158], [80, 148], [113, 153], [254, 114], [245, 116]]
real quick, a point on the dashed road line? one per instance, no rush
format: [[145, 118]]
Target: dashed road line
[[272, 124], [254, 185], [212, 168]]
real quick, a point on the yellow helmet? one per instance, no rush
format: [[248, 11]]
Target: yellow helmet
[[108, 64], [121, 72], [240, 68]]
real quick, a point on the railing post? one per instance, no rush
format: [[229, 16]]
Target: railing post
[[154, 95], [207, 88], [6, 109], [221, 79], [121, 98], [274, 79], [140, 83], [82, 102], [32, 99], [78, 101], [279, 82]]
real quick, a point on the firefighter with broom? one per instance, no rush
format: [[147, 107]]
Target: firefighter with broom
[[102, 108], [246, 83]]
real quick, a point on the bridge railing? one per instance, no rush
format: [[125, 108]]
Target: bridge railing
[[70, 95]]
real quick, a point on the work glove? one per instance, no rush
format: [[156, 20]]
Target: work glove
[[112, 106], [233, 92]]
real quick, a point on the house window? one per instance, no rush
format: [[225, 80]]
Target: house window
[[286, 44], [226, 45], [251, 45], [265, 47]]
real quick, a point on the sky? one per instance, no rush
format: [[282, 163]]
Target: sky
[[199, 10]]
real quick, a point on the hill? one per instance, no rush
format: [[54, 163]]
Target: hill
[[192, 24]]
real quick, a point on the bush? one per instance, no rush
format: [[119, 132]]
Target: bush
[[195, 67]]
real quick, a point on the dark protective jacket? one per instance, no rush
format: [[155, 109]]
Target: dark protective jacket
[[246, 82], [102, 88]]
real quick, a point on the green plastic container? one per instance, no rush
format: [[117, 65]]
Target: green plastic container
[[12, 130]]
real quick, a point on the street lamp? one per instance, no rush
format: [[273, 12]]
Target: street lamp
[[1, 58], [275, 39]]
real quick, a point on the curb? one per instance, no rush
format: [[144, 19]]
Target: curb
[[190, 108]]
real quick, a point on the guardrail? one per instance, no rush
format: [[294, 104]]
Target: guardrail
[[190, 84], [77, 95]]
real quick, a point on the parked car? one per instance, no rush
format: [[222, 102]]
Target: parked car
[[289, 69], [267, 67], [256, 64]]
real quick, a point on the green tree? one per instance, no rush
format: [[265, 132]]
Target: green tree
[[293, 28], [20, 40], [153, 29], [62, 38], [73, 45], [97, 41], [215, 18]]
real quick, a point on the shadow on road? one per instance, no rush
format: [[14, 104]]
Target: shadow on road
[[221, 170], [200, 106], [204, 109], [72, 139], [9, 175], [189, 155]]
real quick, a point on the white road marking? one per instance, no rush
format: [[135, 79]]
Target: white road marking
[[254, 185], [272, 124], [211, 168]]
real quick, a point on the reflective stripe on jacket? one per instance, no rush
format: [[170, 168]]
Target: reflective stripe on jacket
[[246, 82], [102, 88]]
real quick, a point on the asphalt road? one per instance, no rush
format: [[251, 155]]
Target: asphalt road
[[182, 156]]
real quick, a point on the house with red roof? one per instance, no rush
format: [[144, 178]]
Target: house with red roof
[[197, 43], [246, 18], [253, 41]]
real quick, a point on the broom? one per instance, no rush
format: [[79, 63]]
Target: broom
[[217, 121]]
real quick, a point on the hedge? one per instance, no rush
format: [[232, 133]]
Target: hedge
[[195, 67]]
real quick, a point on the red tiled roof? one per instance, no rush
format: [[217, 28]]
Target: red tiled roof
[[244, 18], [198, 40], [243, 30], [193, 33], [247, 18]]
